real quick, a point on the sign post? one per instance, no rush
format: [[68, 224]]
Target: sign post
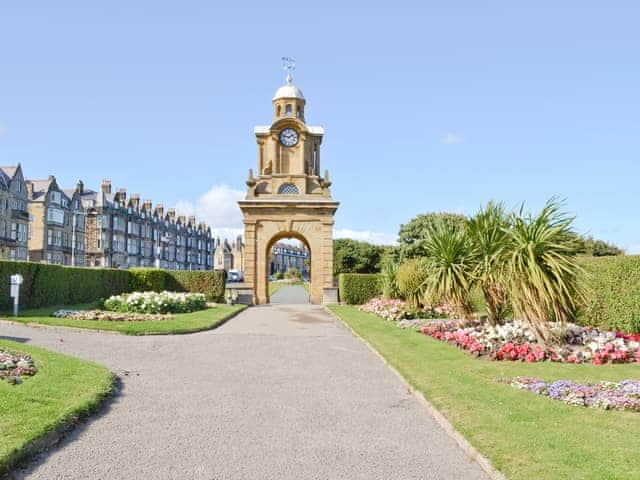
[[15, 282]]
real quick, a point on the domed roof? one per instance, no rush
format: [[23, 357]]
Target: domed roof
[[288, 91]]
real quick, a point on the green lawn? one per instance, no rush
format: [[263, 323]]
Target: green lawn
[[64, 388], [524, 435], [181, 323]]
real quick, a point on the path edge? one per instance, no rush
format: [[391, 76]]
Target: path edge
[[23, 457], [446, 425], [115, 332]]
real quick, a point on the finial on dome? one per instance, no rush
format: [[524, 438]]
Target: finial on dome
[[289, 64]]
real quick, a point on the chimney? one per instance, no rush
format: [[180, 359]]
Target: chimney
[[122, 194], [80, 187], [160, 210], [182, 219], [171, 213], [106, 186], [29, 185], [192, 220], [147, 205], [135, 201]]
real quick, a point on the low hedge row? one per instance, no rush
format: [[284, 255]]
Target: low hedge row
[[612, 292], [209, 282], [47, 285], [358, 288]]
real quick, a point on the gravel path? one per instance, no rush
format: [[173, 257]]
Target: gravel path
[[279, 392], [290, 295]]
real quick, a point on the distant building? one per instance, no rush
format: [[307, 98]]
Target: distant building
[[229, 256], [14, 214], [57, 231], [124, 233], [285, 257]]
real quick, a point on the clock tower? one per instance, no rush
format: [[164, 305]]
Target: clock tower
[[287, 197]]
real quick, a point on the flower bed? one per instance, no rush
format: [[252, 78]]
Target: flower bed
[[154, 302], [111, 316], [606, 395], [516, 342], [14, 366], [395, 310]]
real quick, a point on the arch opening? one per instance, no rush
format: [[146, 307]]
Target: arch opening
[[287, 277]]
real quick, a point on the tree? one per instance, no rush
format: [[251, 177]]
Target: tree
[[596, 248], [542, 270], [488, 231], [412, 235], [353, 256], [450, 262]]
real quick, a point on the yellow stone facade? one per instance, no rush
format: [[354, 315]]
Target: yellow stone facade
[[288, 198]]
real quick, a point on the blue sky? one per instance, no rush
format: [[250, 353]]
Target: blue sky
[[427, 106]]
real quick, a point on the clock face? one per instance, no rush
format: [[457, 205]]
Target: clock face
[[288, 137]]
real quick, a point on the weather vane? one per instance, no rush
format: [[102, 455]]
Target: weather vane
[[289, 64]]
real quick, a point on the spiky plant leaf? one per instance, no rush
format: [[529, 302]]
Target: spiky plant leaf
[[544, 277]]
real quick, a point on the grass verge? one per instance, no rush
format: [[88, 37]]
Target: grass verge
[[524, 435], [181, 323], [63, 390]]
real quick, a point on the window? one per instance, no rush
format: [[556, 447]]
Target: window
[[279, 111], [55, 197], [288, 189], [287, 110]]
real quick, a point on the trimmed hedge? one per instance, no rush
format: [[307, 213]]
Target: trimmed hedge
[[612, 292], [210, 282], [48, 285], [44, 285], [359, 288]]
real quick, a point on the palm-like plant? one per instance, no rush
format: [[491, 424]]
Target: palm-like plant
[[390, 288], [411, 276], [544, 277], [488, 231], [450, 264]]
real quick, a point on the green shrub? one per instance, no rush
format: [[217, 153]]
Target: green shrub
[[359, 288], [149, 280], [411, 277], [48, 285], [612, 292], [212, 283], [45, 285]]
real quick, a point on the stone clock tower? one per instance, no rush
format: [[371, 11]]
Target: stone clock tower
[[288, 197]]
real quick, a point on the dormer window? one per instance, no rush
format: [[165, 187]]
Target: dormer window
[[288, 110]]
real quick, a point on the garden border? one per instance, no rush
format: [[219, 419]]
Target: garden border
[[449, 429], [115, 332]]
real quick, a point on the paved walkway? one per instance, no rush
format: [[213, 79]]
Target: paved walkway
[[290, 295], [279, 392]]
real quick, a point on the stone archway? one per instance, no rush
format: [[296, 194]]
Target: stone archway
[[311, 222]]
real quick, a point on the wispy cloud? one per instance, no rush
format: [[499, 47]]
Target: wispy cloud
[[378, 238], [452, 139], [219, 208]]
